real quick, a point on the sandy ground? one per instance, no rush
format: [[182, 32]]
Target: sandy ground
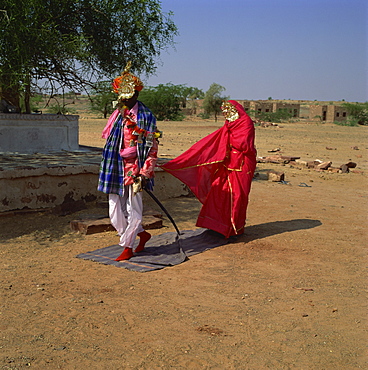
[[288, 294]]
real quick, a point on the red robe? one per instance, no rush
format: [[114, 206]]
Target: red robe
[[219, 170]]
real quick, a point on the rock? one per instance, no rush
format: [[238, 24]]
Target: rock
[[324, 165], [344, 168], [274, 150], [301, 162], [152, 222], [289, 158], [351, 164], [271, 159], [334, 169], [276, 176], [91, 226]]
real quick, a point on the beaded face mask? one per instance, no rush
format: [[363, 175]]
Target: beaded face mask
[[229, 111]]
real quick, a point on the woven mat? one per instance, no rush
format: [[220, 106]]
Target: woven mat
[[161, 251]]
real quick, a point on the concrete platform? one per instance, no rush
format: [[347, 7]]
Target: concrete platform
[[35, 133], [47, 180]]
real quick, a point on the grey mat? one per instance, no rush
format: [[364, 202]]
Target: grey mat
[[163, 250]]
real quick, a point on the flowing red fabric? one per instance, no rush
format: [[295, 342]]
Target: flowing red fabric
[[219, 170]]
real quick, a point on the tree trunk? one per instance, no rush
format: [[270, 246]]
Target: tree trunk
[[27, 95]]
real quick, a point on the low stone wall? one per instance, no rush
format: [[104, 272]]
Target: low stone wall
[[41, 181], [38, 133]]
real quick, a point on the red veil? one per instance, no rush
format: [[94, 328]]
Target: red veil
[[219, 170]]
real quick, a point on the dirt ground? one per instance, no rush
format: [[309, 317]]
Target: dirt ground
[[288, 294]]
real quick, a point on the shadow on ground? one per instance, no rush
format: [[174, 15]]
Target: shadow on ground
[[261, 231]]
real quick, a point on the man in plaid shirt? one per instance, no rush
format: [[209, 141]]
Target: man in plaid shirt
[[128, 161]]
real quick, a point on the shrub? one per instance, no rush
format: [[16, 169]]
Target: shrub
[[357, 113]]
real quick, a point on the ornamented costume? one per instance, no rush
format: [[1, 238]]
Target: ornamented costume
[[129, 155], [219, 170]]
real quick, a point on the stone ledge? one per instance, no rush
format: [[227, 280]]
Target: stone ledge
[[38, 117], [31, 133], [43, 181]]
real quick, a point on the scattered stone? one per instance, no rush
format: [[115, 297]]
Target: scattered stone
[[302, 163], [329, 148], [334, 169], [276, 176], [311, 164], [324, 165], [93, 226], [344, 168], [351, 164], [271, 159], [88, 227], [274, 150], [354, 148], [289, 158], [151, 222], [264, 124], [292, 161]]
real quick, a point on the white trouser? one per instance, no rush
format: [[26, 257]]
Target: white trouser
[[126, 215]]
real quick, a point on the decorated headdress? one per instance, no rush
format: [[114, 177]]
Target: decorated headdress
[[230, 112], [126, 84]]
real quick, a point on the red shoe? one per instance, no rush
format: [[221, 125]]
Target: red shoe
[[144, 236], [127, 253]]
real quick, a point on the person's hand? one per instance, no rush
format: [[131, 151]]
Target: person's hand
[[144, 181], [137, 185]]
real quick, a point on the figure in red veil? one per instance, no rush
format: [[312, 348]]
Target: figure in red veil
[[219, 170]]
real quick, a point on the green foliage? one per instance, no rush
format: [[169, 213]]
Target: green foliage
[[166, 100], [319, 117], [212, 100], [281, 115], [357, 113], [35, 102], [60, 104], [102, 97], [70, 43], [60, 109], [204, 115], [351, 123]]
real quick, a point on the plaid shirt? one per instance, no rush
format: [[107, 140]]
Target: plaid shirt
[[111, 178]]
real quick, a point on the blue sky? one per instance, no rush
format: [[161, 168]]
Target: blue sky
[[284, 49]]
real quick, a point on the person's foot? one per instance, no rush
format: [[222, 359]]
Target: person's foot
[[127, 253], [144, 236]]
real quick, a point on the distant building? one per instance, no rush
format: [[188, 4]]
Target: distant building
[[302, 109], [266, 106], [327, 113]]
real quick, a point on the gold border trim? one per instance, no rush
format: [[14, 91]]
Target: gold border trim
[[186, 168]]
